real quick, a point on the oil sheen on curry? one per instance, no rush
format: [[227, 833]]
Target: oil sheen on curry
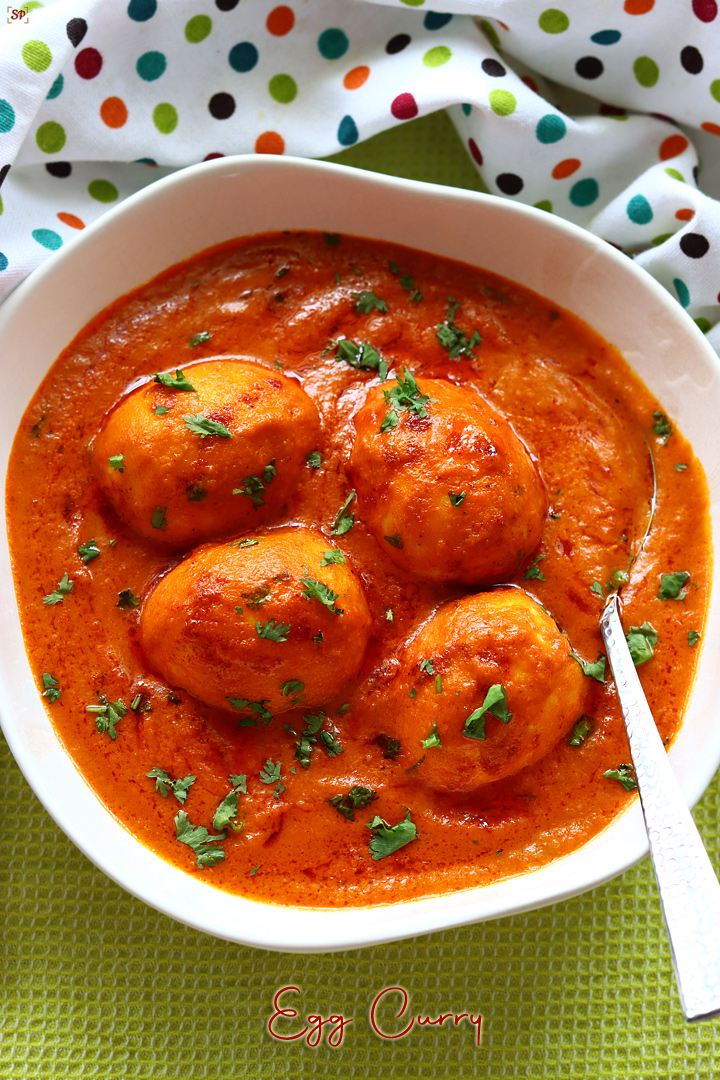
[[311, 537]]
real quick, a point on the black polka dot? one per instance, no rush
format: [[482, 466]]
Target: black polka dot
[[694, 245], [696, 174], [221, 106], [397, 44], [589, 67], [3, 173], [492, 67], [612, 110], [226, 5], [76, 31], [59, 168], [691, 59], [509, 183], [665, 117]]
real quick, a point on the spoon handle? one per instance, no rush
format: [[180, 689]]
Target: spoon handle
[[689, 889]]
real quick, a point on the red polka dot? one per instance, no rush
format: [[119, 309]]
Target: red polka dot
[[113, 112], [280, 21], [685, 214], [404, 107], [714, 129], [672, 146], [531, 83], [705, 10], [504, 25], [269, 143], [357, 77], [638, 7], [566, 168], [211, 157], [88, 63], [475, 151], [71, 220]]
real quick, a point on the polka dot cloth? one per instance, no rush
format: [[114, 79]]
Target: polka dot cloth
[[98, 100]]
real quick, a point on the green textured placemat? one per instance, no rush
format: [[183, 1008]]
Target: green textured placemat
[[98, 986]]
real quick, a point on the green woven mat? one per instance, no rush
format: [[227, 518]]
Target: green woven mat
[[96, 985]]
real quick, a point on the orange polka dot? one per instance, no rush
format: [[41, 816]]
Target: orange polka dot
[[355, 78], [566, 168], [504, 25], [672, 146], [71, 220], [684, 215], [638, 7], [269, 143], [280, 21], [113, 112], [531, 83], [714, 129]]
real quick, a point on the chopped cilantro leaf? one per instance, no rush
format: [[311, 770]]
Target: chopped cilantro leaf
[[356, 798], [389, 838], [239, 782], [226, 811], [662, 426], [331, 744], [282, 271], [293, 689], [334, 556], [596, 588], [406, 394], [624, 774], [199, 339], [362, 356], [593, 671], [433, 737], [412, 693], [438, 684], [50, 688], [64, 588], [457, 498], [671, 585], [389, 616], [580, 731], [258, 707], [641, 640], [314, 459], [165, 785], [158, 519], [258, 598], [89, 551], [367, 301], [394, 268], [273, 631], [680, 466], [495, 703], [344, 521], [394, 541], [390, 747], [427, 665], [332, 239], [128, 599], [195, 493], [343, 708], [246, 543], [117, 462], [271, 774], [693, 637], [407, 282], [534, 572], [317, 590], [255, 869], [160, 410], [269, 472], [200, 840], [391, 421], [452, 338], [176, 381], [317, 638], [203, 425], [107, 715]]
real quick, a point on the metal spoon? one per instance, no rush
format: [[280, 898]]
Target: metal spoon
[[689, 889]]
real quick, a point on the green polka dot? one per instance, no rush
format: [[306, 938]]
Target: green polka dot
[[639, 210], [198, 28], [584, 193], [37, 55], [102, 190], [32, 6], [50, 137], [502, 102], [676, 175], [553, 21], [715, 89], [437, 57], [283, 88], [646, 71], [703, 324], [490, 33], [1, 204], [165, 117], [413, 3], [682, 291], [658, 240], [544, 204]]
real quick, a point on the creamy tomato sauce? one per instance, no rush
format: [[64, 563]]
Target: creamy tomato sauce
[[587, 422]]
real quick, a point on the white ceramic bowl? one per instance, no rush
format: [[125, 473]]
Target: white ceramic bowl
[[206, 204]]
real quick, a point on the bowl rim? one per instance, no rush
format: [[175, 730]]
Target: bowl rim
[[182, 896]]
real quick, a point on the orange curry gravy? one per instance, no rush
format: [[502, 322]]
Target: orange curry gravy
[[586, 419]]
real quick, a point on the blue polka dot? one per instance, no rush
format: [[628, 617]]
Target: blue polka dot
[[151, 65], [584, 192], [550, 128], [243, 56], [347, 131], [606, 37], [3, 262], [7, 116], [467, 109], [333, 44], [682, 291], [56, 88], [142, 10], [435, 20], [47, 238], [639, 210]]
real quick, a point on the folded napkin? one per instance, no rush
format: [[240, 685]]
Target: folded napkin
[[606, 113]]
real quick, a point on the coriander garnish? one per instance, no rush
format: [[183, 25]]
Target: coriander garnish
[[128, 599], [671, 585], [344, 521], [452, 338], [273, 631], [174, 382], [624, 774], [389, 838], [107, 715], [406, 395], [641, 640], [356, 798], [50, 688], [158, 519], [317, 590], [117, 462], [200, 840], [580, 731], [203, 426], [164, 785], [63, 589], [199, 339], [367, 301], [89, 551], [593, 670], [495, 703], [534, 573]]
